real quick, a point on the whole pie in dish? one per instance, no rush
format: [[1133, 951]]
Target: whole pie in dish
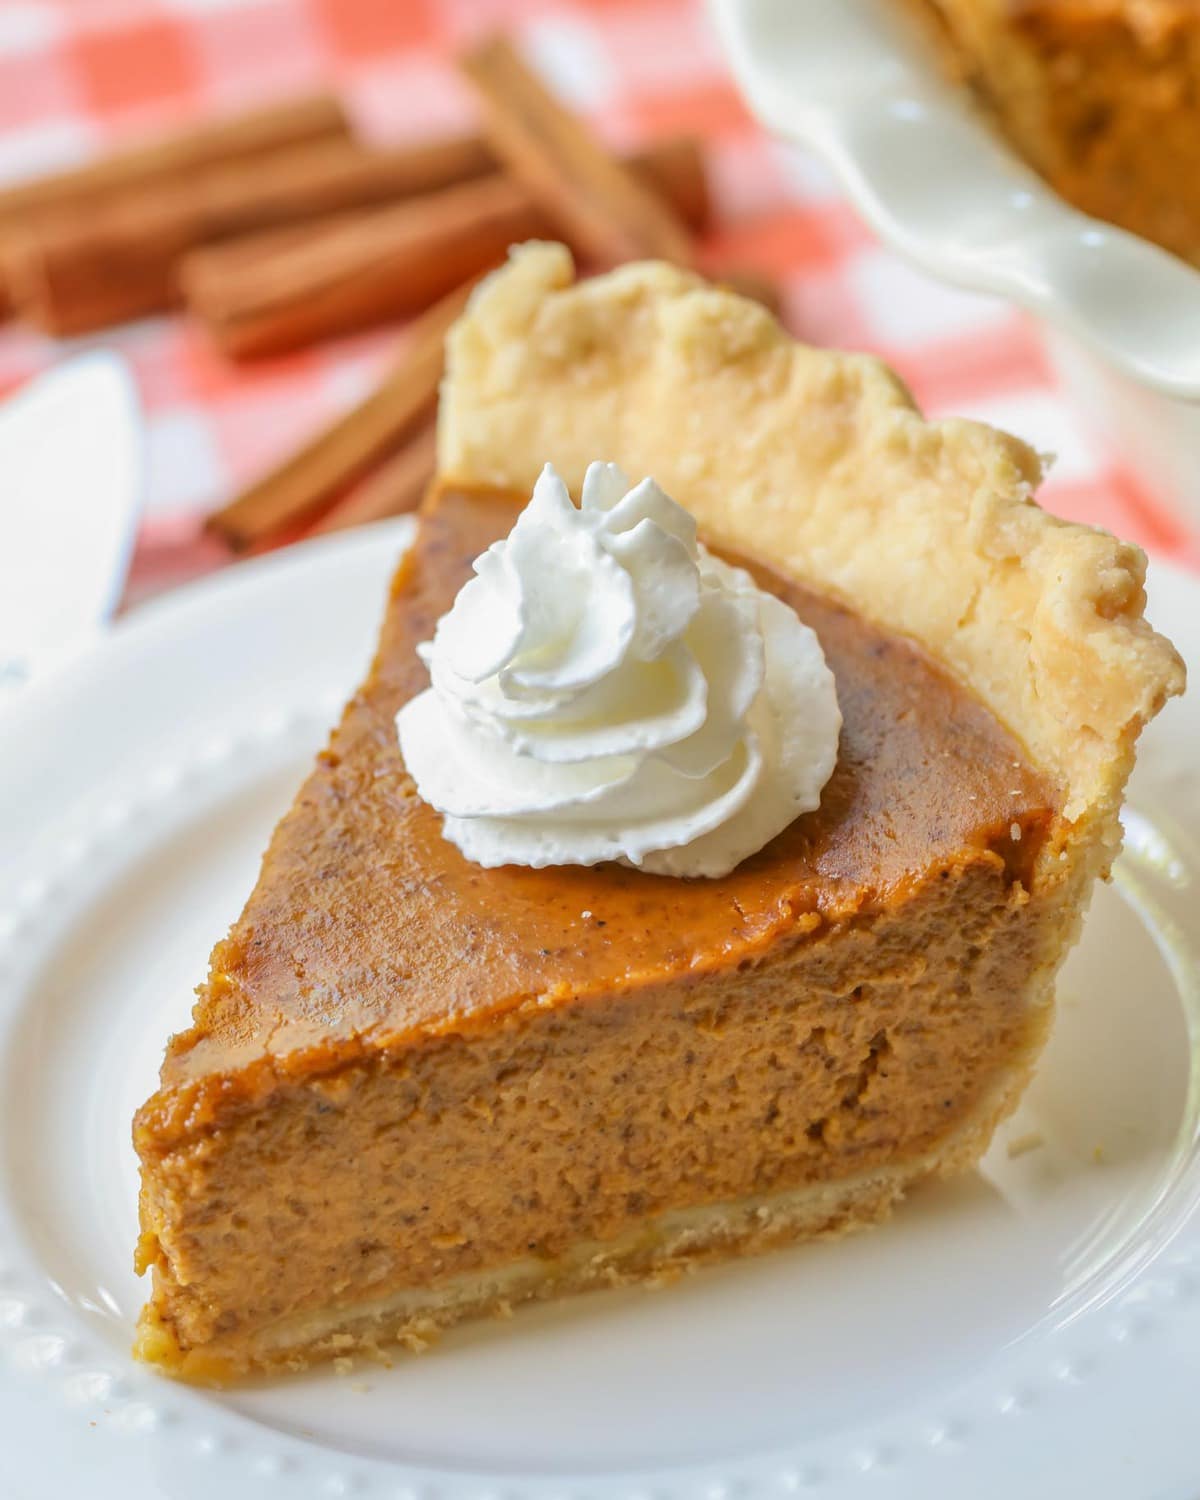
[[417, 1090], [1101, 96]]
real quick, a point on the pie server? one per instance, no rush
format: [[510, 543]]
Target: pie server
[[70, 496]]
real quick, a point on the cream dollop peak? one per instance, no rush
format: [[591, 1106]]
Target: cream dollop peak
[[604, 688]]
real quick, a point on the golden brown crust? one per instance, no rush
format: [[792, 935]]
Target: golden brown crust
[[822, 463], [1150, 21], [1099, 95]]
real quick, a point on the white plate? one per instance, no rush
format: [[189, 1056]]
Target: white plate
[[1033, 1329]]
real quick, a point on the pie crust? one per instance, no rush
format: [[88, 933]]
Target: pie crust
[[821, 462]]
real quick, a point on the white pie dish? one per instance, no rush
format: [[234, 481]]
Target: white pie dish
[[853, 81], [1030, 1329]]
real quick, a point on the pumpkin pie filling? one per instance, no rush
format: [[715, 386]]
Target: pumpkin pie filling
[[553, 1057]]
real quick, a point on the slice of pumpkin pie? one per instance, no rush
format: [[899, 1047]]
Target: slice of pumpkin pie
[[690, 874]]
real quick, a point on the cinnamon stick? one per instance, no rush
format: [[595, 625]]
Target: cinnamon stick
[[587, 194], [394, 489], [756, 285], [271, 293], [305, 483], [673, 166], [240, 137], [232, 138], [356, 272], [91, 264]]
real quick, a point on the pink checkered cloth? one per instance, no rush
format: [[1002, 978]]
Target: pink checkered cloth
[[78, 75]]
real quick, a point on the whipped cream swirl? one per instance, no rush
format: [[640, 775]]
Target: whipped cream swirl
[[606, 689]]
